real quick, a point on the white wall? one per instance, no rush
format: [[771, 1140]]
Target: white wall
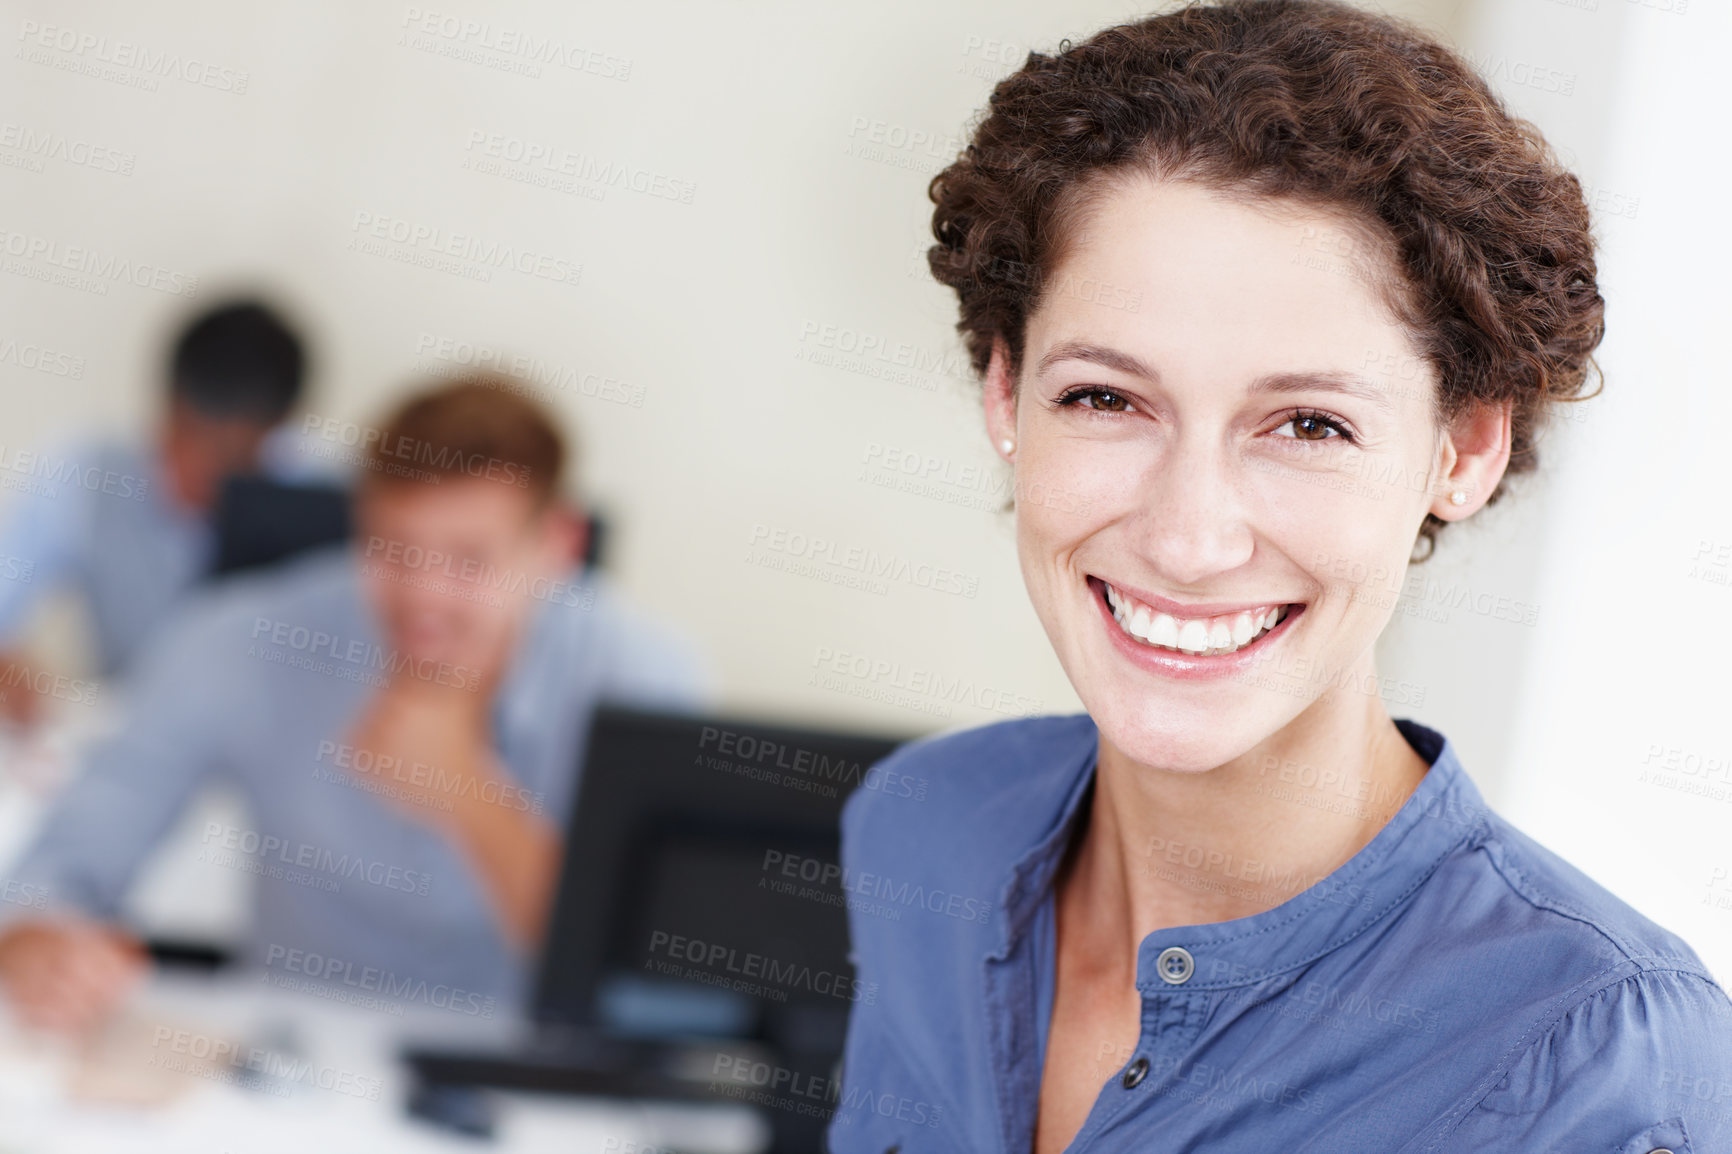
[[1622, 757], [714, 314], [1468, 639], [706, 312]]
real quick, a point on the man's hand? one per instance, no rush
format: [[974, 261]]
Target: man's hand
[[436, 742], [443, 735], [68, 974], [19, 702]]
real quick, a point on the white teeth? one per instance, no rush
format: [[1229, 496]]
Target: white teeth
[[1166, 631], [1212, 635], [1243, 628]]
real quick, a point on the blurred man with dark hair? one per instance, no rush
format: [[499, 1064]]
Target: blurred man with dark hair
[[126, 526], [236, 374], [404, 717]]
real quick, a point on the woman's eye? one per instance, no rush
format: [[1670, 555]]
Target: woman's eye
[[1098, 399], [1315, 427]]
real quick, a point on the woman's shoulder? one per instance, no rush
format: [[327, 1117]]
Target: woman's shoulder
[[1637, 1058], [1560, 901], [1619, 1010], [1511, 897]]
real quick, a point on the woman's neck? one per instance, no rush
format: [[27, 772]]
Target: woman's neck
[[1161, 849]]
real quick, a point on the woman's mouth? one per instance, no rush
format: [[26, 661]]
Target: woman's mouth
[[1216, 635]]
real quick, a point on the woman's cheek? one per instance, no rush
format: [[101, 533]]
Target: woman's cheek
[[1084, 481]]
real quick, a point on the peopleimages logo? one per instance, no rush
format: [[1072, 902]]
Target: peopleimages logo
[[80, 262], [535, 374], [880, 675], [104, 58], [445, 250], [321, 863], [472, 573], [715, 960], [39, 359], [443, 785], [301, 647], [224, 1060], [426, 29], [821, 875], [33, 146], [22, 893], [1228, 1083], [45, 683], [813, 1096], [414, 451], [868, 563], [374, 980], [527, 156], [55, 473], [746, 749]]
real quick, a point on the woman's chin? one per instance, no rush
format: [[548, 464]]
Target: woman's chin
[[1178, 737]]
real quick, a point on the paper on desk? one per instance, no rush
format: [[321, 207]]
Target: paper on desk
[[144, 1060]]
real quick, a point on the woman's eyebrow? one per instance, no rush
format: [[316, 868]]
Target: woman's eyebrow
[[1351, 384], [1095, 354]]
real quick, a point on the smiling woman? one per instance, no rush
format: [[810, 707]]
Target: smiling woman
[[1270, 291]]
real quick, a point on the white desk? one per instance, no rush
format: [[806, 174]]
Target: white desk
[[338, 1088]]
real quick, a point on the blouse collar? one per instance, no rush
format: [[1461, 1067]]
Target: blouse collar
[[1443, 812]]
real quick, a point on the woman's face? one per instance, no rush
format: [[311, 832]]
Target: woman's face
[[1218, 427]]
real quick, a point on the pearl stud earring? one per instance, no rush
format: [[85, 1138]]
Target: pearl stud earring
[[1458, 498], [1008, 445]]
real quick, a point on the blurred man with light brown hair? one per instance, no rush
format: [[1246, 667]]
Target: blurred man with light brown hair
[[404, 716]]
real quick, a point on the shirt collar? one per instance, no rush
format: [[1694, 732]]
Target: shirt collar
[[1443, 812]]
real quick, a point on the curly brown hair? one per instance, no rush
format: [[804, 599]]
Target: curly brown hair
[[1311, 102]]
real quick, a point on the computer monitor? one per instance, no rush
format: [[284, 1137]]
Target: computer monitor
[[700, 925], [701, 889], [259, 521]]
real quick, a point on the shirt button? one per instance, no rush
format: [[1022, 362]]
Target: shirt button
[[1175, 965], [1135, 1072]]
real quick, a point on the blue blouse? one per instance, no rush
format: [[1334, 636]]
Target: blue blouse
[[1454, 986]]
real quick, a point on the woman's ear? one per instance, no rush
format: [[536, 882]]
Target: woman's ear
[[999, 397], [1476, 450]]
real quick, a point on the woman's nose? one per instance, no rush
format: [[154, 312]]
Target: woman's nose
[[1189, 520]]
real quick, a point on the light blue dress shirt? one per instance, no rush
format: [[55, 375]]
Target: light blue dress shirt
[[98, 518], [1454, 986], [258, 685]]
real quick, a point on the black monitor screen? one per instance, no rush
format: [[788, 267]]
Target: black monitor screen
[[702, 877], [260, 522]]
